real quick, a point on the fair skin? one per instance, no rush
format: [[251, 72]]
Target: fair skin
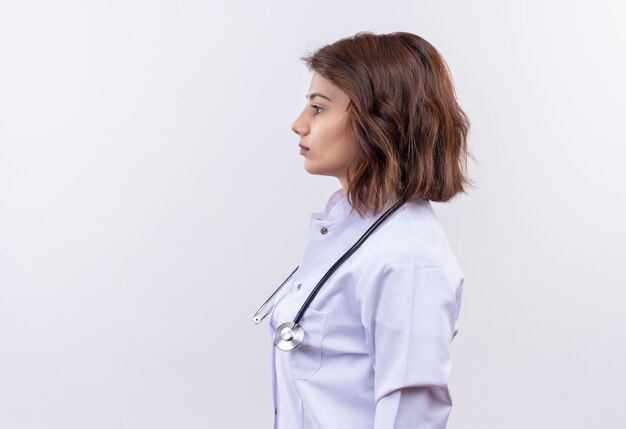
[[322, 127]]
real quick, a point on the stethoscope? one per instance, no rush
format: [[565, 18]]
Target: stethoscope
[[289, 335]]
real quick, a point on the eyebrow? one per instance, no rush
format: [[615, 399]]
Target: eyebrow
[[317, 94]]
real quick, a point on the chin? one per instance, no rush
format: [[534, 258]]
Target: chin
[[313, 168], [308, 168]]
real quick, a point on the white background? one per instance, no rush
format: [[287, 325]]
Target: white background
[[152, 195]]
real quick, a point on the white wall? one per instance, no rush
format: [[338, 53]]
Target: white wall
[[152, 195]]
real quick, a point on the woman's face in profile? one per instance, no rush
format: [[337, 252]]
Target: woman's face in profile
[[322, 127]]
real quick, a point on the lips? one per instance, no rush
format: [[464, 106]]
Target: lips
[[303, 147]]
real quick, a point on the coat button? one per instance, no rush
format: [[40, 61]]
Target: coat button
[[324, 230], [299, 286]]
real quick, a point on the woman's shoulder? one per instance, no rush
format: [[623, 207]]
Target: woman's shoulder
[[413, 235]]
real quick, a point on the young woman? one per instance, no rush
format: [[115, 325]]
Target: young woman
[[361, 330]]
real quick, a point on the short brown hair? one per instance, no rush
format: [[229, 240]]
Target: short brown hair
[[403, 113]]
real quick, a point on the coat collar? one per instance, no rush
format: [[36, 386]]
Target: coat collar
[[337, 208]]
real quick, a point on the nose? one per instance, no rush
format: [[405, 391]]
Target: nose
[[299, 127]]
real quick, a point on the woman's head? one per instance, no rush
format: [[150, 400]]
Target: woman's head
[[393, 128]]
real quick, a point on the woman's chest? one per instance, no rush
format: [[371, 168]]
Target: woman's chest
[[331, 322]]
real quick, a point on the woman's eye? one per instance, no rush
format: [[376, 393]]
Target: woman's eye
[[316, 107]]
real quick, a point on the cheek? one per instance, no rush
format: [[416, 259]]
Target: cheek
[[343, 153], [331, 141], [346, 145]]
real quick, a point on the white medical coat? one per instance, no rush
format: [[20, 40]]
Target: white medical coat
[[376, 349]]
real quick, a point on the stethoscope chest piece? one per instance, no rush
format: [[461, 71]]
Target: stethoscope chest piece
[[288, 336]]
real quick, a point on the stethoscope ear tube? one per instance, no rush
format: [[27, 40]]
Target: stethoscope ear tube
[[266, 308]]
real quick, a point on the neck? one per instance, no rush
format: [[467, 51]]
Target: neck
[[344, 184]]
